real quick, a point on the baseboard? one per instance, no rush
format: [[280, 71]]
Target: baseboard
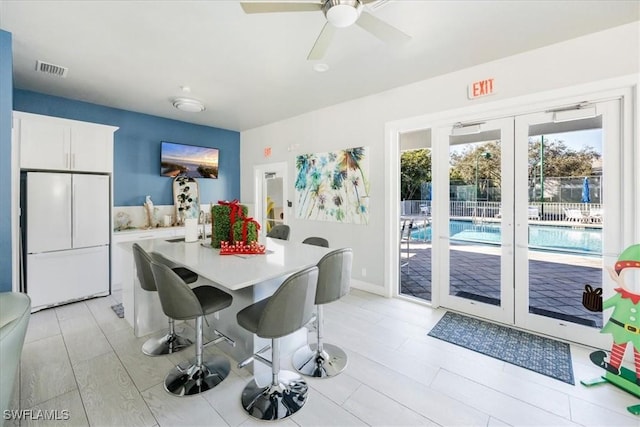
[[368, 287]]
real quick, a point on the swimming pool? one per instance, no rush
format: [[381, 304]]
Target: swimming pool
[[549, 237]]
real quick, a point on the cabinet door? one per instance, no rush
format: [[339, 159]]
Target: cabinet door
[[44, 144], [91, 149]]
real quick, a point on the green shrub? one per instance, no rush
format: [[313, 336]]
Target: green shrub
[[221, 223], [252, 232]]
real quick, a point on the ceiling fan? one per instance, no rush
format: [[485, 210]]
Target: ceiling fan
[[339, 14]]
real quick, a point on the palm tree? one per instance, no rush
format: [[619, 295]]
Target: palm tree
[[350, 160]]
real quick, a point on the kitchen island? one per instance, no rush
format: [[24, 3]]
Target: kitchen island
[[248, 278]]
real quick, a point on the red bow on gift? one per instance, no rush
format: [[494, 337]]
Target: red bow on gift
[[245, 224], [234, 205]]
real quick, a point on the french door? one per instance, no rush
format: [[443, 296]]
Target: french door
[[529, 214], [473, 223]]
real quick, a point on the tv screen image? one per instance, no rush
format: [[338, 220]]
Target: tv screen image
[[188, 160]]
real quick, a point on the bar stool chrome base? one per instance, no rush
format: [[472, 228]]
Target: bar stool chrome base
[[320, 364], [275, 401], [197, 378], [168, 344]]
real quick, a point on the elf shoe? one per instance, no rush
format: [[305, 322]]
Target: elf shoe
[[597, 357]]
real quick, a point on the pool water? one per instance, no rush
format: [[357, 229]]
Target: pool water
[[566, 239]]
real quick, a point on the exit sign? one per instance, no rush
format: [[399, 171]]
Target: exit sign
[[481, 88]]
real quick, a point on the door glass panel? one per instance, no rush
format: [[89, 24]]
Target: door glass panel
[[475, 223], [565, 218], [274, 201], [415, 223]]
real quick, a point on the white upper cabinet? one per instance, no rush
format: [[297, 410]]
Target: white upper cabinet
[[91, 148], [51, 143], [44, 144]]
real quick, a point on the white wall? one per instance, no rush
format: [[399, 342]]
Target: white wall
[[361, 122]]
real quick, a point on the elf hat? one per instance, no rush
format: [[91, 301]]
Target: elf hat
[[629, 258]]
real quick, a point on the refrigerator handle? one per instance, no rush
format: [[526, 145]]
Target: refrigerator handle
[[73, 161]]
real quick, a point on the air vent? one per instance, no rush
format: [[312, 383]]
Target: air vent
[[51, 69]]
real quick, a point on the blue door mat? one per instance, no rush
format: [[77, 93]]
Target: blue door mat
[[539, 354]]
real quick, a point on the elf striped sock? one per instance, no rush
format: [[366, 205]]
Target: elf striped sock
[[617, 352]]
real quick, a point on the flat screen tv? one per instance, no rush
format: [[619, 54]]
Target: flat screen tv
[[188, 160]]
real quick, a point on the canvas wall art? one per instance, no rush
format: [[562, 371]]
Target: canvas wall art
[[333, 186]]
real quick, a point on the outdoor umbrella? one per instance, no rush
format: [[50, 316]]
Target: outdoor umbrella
[[585, 191]]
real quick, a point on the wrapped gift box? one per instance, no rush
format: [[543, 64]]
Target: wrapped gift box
[[223, 216], [246, 230]]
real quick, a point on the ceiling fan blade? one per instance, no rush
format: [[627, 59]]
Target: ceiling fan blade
[[322, 42], [385, 32], [267, 7]]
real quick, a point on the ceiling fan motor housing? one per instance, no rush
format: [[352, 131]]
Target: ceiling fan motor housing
[[342, 13]]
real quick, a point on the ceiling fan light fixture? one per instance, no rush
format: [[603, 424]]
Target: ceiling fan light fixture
[[188, 105], [342, 13]]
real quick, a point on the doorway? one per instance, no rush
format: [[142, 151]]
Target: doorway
[[271, 195], [525, 214], [415, 215]]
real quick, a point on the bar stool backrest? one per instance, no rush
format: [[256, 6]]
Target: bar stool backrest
[[316, 241], [291, 306], [176, 297], [280, 231], [334, 275], [143, 268]]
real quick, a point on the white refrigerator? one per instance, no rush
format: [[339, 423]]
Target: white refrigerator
[[66, 233]]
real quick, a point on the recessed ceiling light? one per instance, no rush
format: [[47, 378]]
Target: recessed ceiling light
[[321, 67], [189, 105]]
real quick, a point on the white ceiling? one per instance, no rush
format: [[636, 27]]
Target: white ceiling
[[251, 70]]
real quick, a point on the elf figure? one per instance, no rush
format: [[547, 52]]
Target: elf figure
[[624, 324]]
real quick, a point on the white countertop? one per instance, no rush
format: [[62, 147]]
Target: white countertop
[[236, 272], [142, 230]]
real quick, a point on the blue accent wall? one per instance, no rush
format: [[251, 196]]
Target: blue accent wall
[[137, 148], [6, 103]]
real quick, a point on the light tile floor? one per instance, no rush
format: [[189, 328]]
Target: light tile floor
[[84, 359]]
